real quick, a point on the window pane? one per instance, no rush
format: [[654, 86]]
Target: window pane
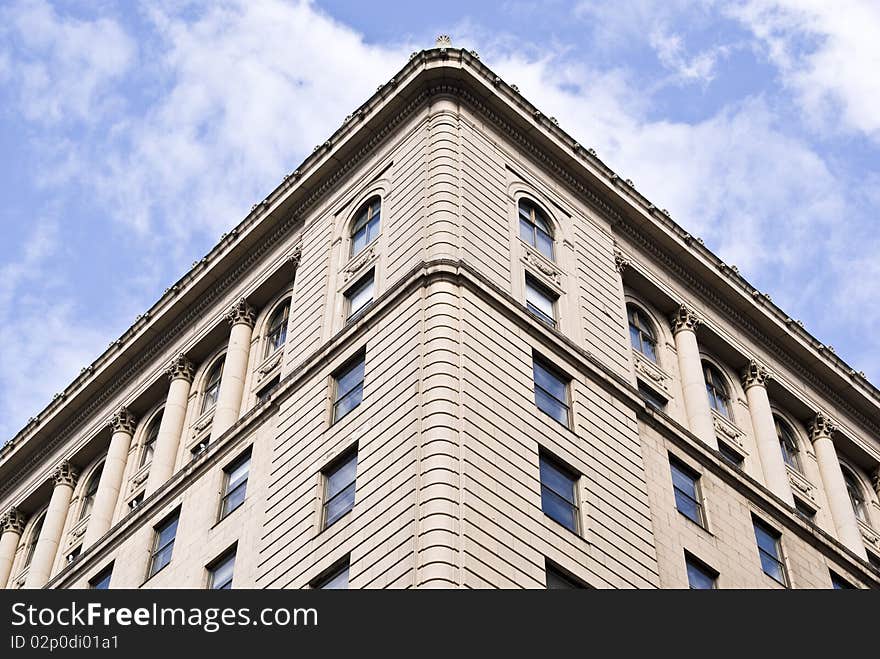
[[237, 474], [526, 231], [102, 581], [360, 297], [557, 508], [233, 499], [350, 378], [340, 477], [688, 507], [648, 350], [551, 406], [348, 403], [684, 481], [339, 505], [161, 559], [359, 240], [558, 581], [221, 573], [765, 540], [373, 228], [536, 296], [557, 480], [167, 532], [772, 567], [337, 581], [698, 578], [549, 382], [545, 245]]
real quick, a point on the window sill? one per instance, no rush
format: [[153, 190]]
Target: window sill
[[228, 515], [159, 571], [697, 524]]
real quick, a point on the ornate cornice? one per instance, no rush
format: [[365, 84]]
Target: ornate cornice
[[13, 521], [685, 318], [180, 368], [65, 474], [242, 313], [821, 427], [755, 374], [123, 421]]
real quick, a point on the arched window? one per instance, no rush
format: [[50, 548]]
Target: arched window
[[787, 444], [276, 334], [36, 528], [856, 496], [719, 399], [150, 436], [641, 334], [212, 386], [366, 226], [91, 490], [535, 229]]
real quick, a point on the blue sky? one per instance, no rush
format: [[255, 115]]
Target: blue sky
[[132, 134]]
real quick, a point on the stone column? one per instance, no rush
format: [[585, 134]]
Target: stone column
[[241, 317], [171, 427], [107, 496], [754, 381], [46, 550], [693, 383], [11, 527], [842, 513]]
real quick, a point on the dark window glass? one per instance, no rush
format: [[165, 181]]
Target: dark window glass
[[700, 577], [535, 229], [839, 583], [366, 226], [874, 560], [163, 544], [687, 496], [276, 334], [804, 511], [220, 573], [359, 296], [136, 502], [212, 386], [265, 393], [34, 537], [339, 487], [349, 388], [856, 497], [551, 392], [335, 580], [150, 440], [787, 444], [641, 334], [558, 493], [719, 399], [72, 555], [770, 552], [652, 399], [101, 581], [540, 302], [91, 490], [235, 485], [559, 580], [730, 456]]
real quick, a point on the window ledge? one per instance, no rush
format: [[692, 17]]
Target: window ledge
[[801, 485], [359, 262], [654, 375], [727, 431]]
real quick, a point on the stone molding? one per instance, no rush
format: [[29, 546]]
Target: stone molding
[[13, 521], [242, 313], [181, 368], [821, 427], [755, 374], [685, 318], [65, 474], [123, 421]]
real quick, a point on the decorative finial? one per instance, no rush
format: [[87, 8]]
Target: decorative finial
[[443, 41]]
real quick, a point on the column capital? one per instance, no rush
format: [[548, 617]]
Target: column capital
[[65, 474], [180, 368], [123, 421], [621, 263], [755, 374], [242, 312], [875, 480], [685, 318], [821, 427], [13, 521]]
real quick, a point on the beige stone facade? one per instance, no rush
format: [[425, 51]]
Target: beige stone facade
[[448, 434]]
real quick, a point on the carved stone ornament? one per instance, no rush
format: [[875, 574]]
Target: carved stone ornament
[[180, 367], [123, 421], [726, 430], [13, 521], [65, 474], [685, 318], [755, 374], [621, 263], [651, 371], [801, 484], [359, 262], [295, 256], [542, 266], [242, 312], [821, 427], [443, 41]]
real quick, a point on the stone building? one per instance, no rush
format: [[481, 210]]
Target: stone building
[[452, 349]]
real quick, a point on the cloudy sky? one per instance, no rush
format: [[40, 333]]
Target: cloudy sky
[[132, 134]]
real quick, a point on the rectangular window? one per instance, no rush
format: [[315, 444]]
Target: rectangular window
[[551, 391], [540, 301], [770, 551], [700, 575], [653, 400], [558, 492], [349, 381], [135, 503], [101, 581], [73, 554], [730, 456], [266, 391], [558, 579], [220, 572], [804, 511], [335, 579], [163, 543], [235, 484], [359, 296], [339, 485], [687, 493], [839, 583]]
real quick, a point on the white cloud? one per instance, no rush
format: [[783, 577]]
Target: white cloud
[[827, 52], [671, 52], [63, 65]]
